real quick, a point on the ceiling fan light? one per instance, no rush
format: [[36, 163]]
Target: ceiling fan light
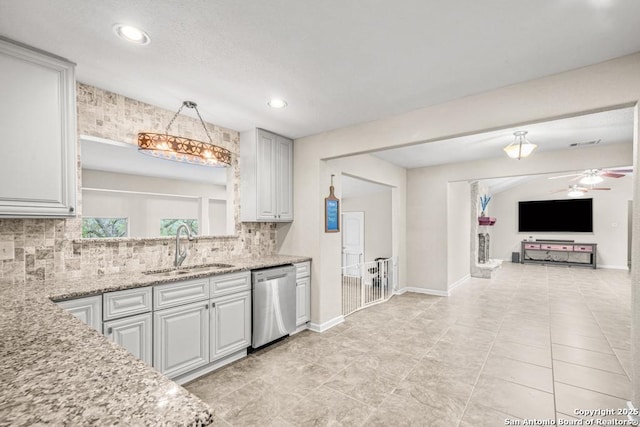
[[575, 193], [591, 180]]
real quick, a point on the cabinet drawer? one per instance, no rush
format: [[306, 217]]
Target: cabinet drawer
[[583, 248], [173, 294], [126, 303], [230, 283], [566, 248], [303, 269], [532, 245]]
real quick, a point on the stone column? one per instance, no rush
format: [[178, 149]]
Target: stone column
[[483, 247]]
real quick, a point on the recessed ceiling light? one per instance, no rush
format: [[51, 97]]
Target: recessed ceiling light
[[277, 103], [131, 34]]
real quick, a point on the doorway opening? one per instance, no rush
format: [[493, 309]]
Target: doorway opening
[[368, 269]]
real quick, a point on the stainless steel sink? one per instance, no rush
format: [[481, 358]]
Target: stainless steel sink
[[187, 270]]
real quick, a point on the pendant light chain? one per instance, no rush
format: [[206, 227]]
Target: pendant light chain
[[189, 104]]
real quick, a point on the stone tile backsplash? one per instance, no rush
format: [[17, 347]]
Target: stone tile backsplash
[[48, 248]]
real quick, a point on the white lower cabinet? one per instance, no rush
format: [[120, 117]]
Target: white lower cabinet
[[88, 309], [303, 300], [134, 334], [181, 338], [230, 324]]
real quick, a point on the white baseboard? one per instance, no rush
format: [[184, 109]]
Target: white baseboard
[[614, 267], [459, 282], [326, 325], [436, 292]]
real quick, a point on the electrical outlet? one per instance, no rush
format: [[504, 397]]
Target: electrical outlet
[[6, 251]]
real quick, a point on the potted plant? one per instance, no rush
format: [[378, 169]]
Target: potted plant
[[483, 219]]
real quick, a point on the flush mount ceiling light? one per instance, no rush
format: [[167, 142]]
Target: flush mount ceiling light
[[181, 149], [520, 147], [131, 34], [277, 103]]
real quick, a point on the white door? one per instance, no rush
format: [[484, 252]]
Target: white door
[[284, 190], [134, 334], [352, 241], [181, 338], [88, 310], [303, 300], [230, 324], [266, 176]]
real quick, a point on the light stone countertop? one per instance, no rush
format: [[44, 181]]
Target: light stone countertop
[[54, 369]]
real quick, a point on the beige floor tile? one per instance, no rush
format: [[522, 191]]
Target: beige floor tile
[[516, 399], [592, 379], [579, 341], [363, 384], [570, 400], [326, 407], [525, 353], [519, 372], [624, 356], [592, 359], [298, 379], [451, 397], [433, 369], [481, 416], [256, 403], [403, 411]]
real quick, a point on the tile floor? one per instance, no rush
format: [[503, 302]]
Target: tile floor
[[535, 342]]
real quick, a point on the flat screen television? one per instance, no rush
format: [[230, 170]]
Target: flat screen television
[[568, 215]]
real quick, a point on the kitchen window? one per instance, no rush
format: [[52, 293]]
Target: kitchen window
[[168, 227], [104, 227]]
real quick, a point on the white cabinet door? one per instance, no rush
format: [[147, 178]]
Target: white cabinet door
[[266, 161], [134, 334], [303, 300], [266, 175], [181, 338], [284, 185], [37, 118], [88, 309], [230, 324]]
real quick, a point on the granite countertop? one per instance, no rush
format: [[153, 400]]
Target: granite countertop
[[54, 369]]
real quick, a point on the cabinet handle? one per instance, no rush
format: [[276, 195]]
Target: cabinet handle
[[206, 306], [213, 304], [109, 331], [71, 209]]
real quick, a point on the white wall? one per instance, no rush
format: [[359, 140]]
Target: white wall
[[458, 231], [609, 218], [377, 222], [427, 240], [606, 85]]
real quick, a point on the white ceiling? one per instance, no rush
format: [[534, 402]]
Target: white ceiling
[[336, 62], [356, 187], [119, 157], [611, 127]]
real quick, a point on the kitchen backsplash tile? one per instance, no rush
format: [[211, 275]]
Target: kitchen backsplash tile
[[48, 248]]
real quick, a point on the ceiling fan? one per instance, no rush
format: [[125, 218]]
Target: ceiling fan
[[576, 191], [595, 176]]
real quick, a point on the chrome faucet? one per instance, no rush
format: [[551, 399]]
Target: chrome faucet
[[181, 252]]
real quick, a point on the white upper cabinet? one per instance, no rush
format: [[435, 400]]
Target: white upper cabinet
[[266, 175], [38, 121]]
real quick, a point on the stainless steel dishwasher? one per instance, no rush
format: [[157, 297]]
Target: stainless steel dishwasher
[[274, 304]]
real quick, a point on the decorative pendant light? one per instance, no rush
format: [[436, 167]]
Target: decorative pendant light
[[181, 149], [520, 147]]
